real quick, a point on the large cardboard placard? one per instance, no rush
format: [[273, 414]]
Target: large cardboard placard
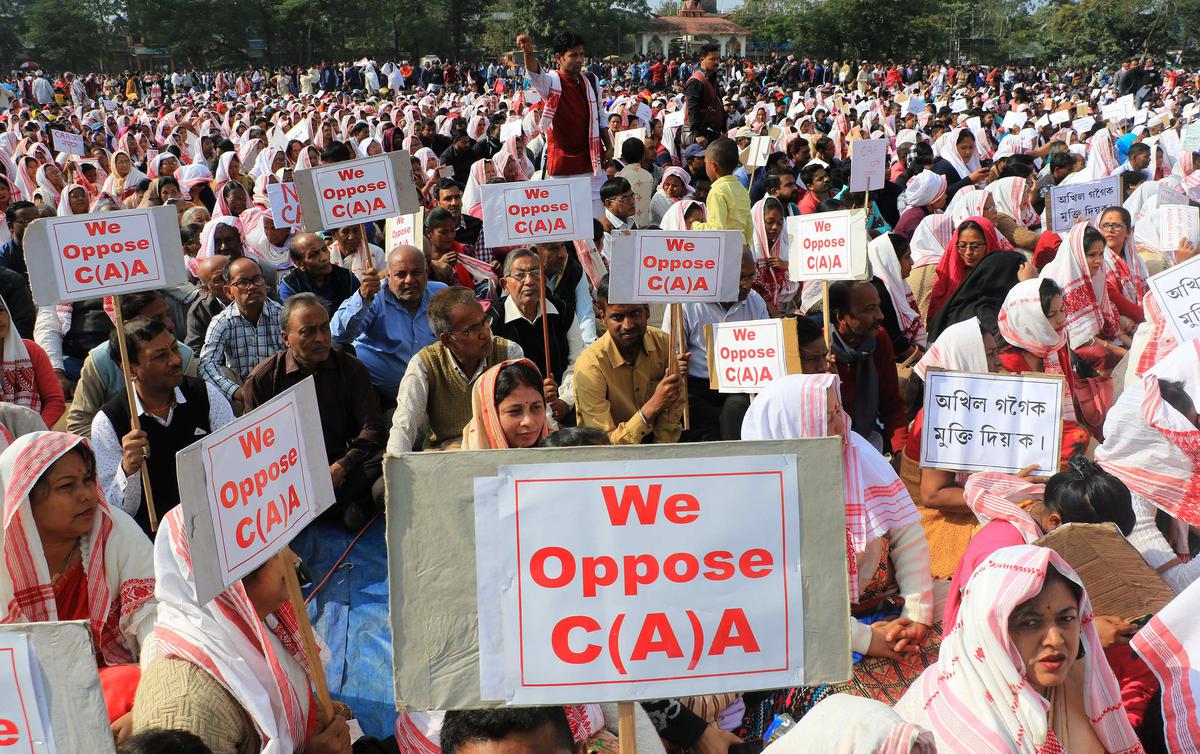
[[67, 142], [248, 488], [526, 212], [992, 422], [1176, 222], [1177, 290], [284, 201], [646, 585], [868, 159], [405, 230], [433, 564], [668, 266], [87, 256], [1067, 204], [50, 690], [828, 245], [357, 191], [744, 357]]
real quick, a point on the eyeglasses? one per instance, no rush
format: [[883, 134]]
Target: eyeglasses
[[475, 329], [522, 275], [246, 284], [964, 246], [1112, 226]]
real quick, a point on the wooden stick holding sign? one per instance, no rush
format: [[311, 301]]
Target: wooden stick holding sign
[[679, 346], [134, 422], [541, 275], [828, 246], [320, 684], [626, 729]]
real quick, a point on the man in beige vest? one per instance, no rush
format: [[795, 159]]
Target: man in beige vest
[[435, 392]]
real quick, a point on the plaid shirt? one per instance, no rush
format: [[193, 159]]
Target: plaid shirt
[[234, 343]]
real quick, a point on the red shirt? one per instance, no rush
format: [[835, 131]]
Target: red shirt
[[570, 142]]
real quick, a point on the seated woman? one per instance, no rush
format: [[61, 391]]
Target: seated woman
[[1022, 670], [682, 215], [1125, 271], [508, 408], [1015, 216], [231, 671], [675, 185], [982, 292], [891, 263], [1034, 325], [973, 239], [938, 494], [769, 245], [26, 375], [888, 555], [69, 556]]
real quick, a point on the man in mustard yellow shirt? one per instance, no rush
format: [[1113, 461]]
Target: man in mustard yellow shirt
[[728, 202]]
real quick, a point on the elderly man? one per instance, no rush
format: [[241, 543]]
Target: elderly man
[[623, 381], [213, 298], [436, 389], [519, 319], [174, 411], [313, 272], [389, 325], [244, 333], [351, 421]]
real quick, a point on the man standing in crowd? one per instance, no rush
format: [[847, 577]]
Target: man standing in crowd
[[705, 113]]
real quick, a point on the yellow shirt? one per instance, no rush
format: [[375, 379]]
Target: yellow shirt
[[610, 391], [728, 208]]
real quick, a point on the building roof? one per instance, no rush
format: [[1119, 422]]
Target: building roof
[[695, 25]]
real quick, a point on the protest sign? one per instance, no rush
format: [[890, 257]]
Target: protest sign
[[76, 257], [621, 137], [1168, 196], [647, 586], [667, 266], [1177, 290], [301, 132], [50, 694], [757, 152], [285, 205], [405, 230], [959, 106], [1059, 117], [1066, 204], [992, 422], [828, 245], [1191, 137], [1115, 111], [916, 106], [744, 357], [65, 141], [867, 160], [250, 486], [1014, 119], [357, 191], [510, 129], [1176, 222], [525, 212], [1083, 126], [5, 234], [439, 606], [975, 123]]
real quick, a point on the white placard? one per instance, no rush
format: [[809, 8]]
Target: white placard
[[284, 201], [1014, 119], [76, 257], [622, 136], [867, 160], [1191, 137], [666, 266], [916, 106], [1177, 290], [405, 230], [1066, 204], [975, 123], [510, 129], [1059, 117], [1115, 111], [263, 478], [745, 357], [637, 581], [1176, 222], [24, 719], [1168, 196], [673, 119], [758, 151], [357, 191], [828, 245], [5, 234], [992, 422], [65, 141], [301, 132], [958, 106], [1083, 125], [556, 209]]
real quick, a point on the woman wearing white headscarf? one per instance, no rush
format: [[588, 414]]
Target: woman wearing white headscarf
[[1015, 216], [957, 160], [1092, 319], [924, 195], [676, 184], [769, 245]]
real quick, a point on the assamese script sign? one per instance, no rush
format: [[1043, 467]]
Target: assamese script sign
[[992, 422], [263, 478], [1177, 290], [527, 212], [1066, 204], [641, 579]]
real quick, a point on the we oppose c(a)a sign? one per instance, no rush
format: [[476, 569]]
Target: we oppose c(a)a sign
[[357, 191], [828, 245], [556, 209]]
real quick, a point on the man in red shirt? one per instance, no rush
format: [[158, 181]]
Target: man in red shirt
[[576, 140]]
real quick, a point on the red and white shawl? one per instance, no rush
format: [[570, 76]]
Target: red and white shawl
[[17, 381], [226, 639], [1023, 325], [885, 265], [549, 85], [774, 284], [976, 697], [993, 496], [794, 407], [1084, 296], [1170, 645], [116, 556], [1150, 446], [1153, 339]]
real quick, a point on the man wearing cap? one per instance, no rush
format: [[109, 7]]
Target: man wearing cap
[[693, 161]]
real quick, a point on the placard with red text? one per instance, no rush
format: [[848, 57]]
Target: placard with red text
[[405, 230], [356, 191], [745, 357], [89, 256], [284, 201], [641, 579], [527, 212], [828, 245], [252, 485], [676, 267], [24, 721]]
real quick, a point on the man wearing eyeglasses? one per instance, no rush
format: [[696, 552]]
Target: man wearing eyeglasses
[[518, 319], [620, 207], [436, 389], [243, 334]]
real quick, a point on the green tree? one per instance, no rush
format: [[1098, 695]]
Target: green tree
[[57, 29]]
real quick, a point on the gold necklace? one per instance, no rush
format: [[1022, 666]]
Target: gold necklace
[[54, 578]]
